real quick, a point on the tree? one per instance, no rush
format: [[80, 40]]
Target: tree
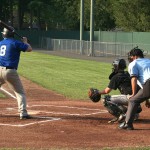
[[132, 15], [64, 14], [103, 18], [36, 7], [6, 7]]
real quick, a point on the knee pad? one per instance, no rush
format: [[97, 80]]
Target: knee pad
[[114, 109]]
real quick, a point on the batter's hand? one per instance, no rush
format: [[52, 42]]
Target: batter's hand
[[25, 40]]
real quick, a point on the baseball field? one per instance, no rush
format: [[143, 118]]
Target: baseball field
[[63, 116]]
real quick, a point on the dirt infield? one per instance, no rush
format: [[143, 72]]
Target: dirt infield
[[62, 123]]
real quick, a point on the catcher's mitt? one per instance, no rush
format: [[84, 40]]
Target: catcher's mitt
[[94, 95]]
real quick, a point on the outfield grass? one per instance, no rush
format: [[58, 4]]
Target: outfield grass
[[70, 77]]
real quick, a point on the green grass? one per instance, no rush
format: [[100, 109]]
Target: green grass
[[2, 95], [70, 77]]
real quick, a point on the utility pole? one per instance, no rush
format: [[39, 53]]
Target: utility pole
[[91, 28], [81, 25]]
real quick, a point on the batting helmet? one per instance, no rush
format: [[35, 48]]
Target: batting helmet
[[7, 33]]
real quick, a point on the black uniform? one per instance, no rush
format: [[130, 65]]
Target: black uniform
[[122, 82]]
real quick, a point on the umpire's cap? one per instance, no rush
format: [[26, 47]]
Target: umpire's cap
[[136, 52]]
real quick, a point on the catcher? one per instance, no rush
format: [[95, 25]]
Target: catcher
[[116, 104]]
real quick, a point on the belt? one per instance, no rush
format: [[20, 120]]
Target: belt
[[10, 67]]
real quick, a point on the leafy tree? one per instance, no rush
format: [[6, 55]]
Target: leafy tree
[[103, 18], [6, 7], [65, 14], [36, 7], [132, 15], [87, 6]]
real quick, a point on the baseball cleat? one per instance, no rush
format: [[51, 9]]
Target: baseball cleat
[[121, 118], [25, 117], [136, 117], [126, 126], [113, 120]]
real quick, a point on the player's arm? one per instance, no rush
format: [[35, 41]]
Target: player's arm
[[25, 40], [111, 86], [105, 91], [134, 86]]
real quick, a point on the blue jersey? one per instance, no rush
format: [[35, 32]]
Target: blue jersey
[[10, 50], [141, 69]]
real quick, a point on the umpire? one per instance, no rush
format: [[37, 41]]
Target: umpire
[[10, 50], [139, 70]]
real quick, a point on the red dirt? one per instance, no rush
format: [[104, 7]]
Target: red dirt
[[78, 125]]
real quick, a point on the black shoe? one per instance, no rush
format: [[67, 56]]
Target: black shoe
[[136, 117], [25, 117], [126, 126], [139, 109]]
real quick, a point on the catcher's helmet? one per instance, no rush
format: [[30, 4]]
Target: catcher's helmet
[[119, 64], [7, 33], [135, 52]]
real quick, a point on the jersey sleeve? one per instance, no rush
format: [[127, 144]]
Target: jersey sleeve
[[21, 46], [132, 69]]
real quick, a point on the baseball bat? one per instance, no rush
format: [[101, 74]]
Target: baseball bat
[[3, 24]]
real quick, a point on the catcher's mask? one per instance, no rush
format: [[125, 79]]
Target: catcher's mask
[[135, 52], [119, 64], [7, 33]]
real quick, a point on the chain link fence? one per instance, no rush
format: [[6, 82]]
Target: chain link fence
[[88, 48]]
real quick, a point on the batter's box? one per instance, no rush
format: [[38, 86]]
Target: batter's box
[[34, 120]]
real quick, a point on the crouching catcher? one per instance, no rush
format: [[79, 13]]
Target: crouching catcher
[[119, 80]]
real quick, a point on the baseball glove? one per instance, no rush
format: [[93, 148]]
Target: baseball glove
[[94, 95]]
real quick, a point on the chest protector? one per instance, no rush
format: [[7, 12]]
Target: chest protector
[[124, 83]]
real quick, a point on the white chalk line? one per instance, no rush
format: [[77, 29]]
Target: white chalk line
[[64, 107], [47, 105], [48, 118], [58, 113], [32, 123], [11, 95], [103, 111], [62, 113], [71, 114]]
